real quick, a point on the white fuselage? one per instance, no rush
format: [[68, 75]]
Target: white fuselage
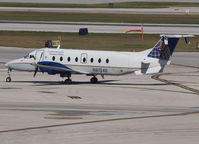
[[87, 61]]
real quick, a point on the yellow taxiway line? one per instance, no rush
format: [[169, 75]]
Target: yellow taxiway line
[[157, 77]]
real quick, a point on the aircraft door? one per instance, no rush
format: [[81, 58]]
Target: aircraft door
[[39, 55], [84, 58]]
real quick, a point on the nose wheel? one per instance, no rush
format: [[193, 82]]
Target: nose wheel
[[94, 80], [8, 79]]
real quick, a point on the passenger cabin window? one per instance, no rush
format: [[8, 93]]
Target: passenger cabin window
[[92, 60], [68, 59], [107, 60], [99, 60], [76, 59], [53, 58], [61, 58], [84, 60]]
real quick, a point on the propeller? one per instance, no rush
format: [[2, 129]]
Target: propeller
[[36, 70]]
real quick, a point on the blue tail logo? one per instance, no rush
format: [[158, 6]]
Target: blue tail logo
[[162, 50]]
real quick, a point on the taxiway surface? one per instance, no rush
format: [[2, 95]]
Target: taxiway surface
[[122, 109], [92, 1], [159, 11], [98, 27]]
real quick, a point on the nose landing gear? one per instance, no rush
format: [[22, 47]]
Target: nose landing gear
[[8, 79]]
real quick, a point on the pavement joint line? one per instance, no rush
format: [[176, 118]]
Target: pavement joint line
[[98, 121]]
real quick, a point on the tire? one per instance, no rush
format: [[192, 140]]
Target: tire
[[68, 81], [8, 79], [94, 80]]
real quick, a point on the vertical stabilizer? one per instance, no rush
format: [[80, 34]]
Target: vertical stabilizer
[[162, 51], [166, 46]]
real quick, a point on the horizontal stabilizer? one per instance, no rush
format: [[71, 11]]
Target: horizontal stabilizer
[[177, 36]]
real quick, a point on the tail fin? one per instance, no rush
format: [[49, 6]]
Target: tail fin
[[162, 52], [166, 46]]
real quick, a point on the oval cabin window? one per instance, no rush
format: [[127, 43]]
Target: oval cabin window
[[107, 60], [99, 60], [92, 60], [61, 58], [76, 59], [68, 59], [53, 58], [84, 59]]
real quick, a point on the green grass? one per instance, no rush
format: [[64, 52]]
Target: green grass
[[105, 5], [116, 42], [100, 17]]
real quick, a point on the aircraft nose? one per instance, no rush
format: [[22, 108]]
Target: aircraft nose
[[10, 64], [7, 65]]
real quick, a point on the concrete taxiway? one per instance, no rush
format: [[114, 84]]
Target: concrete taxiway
[[92, 1], [120, 109], [168, 11], [98, 27]]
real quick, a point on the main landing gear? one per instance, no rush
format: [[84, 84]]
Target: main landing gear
[[94, 80], [68, 81], [8, 79]]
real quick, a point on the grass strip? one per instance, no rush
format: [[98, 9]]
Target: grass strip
[[100, 17], [115, 42], [105, 5]]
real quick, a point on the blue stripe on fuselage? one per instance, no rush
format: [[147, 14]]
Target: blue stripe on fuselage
[[52, 64]]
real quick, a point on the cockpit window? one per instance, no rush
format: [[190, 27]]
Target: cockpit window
[[27, 56], [32, 56]]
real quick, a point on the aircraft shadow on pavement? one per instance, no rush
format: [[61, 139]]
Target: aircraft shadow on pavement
[[103, 82]]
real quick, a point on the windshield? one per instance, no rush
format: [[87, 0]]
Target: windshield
[[27, 56], [30, 55]]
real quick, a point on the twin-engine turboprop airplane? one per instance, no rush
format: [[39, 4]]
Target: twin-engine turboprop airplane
[[66, 62]]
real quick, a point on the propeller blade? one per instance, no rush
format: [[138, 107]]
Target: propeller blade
[[36, 70]]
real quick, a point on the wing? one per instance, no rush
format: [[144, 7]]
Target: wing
[[58, 67]]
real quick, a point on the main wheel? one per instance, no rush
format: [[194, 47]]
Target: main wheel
[[94, 80], [8, 79], [68, 81]]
